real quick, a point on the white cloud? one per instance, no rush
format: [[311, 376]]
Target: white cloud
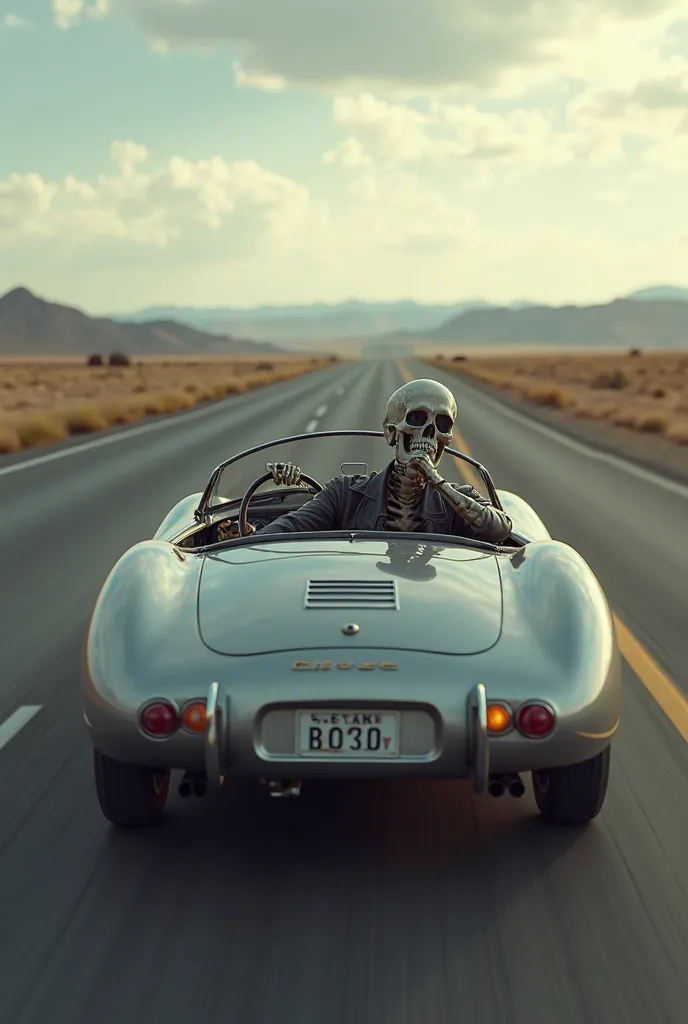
[[11, 21], [612, 197], [394, 131], [485, 144], [419, 44], [156, 207], [349, 153], [652, 112], [68, 13], [266, 83], [394, 209]]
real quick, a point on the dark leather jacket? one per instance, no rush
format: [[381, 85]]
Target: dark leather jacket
[[359, 503]]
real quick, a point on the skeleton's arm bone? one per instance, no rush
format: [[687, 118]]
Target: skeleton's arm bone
[[487, 522]]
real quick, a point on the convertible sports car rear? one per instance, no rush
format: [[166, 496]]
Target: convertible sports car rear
[[352, 655]]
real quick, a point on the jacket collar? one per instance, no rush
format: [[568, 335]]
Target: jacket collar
[[373, 506]]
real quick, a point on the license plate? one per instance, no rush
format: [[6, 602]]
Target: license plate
[[364, 734]]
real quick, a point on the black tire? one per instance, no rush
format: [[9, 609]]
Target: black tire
[[129, 794], [574, 794]]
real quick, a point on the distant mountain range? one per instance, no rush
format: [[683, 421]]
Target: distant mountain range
[[652, 317], [320, 322], [31, 326], [641, 322], [373, 322]]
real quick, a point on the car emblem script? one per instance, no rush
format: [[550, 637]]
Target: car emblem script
[[343, 666]]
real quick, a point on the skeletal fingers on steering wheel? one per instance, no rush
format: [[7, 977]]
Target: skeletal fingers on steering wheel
[[285, 473]]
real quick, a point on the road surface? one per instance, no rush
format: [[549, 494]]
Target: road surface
[[398, 904]]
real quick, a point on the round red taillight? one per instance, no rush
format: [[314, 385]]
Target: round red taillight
[[535, 720], [159, 718]]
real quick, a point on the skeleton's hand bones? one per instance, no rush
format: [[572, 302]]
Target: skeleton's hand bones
[[423, 466], [285, 473], [470, 509]]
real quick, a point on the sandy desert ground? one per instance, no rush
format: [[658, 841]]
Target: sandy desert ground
[[643, 392], [46, 400]]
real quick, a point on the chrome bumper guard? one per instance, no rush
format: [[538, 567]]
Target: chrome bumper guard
[[214, 766], [477, 717]]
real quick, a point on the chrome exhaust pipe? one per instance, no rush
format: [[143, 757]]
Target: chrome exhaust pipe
[[193, 782], [516, 787]]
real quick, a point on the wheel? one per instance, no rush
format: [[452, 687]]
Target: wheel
[[130, 794], [573, 794]]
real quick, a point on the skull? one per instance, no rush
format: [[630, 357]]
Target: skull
[[420, 419]]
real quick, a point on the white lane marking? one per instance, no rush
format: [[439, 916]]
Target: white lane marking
[[16, 722], [320, 411], [579, 446], [311, 426]]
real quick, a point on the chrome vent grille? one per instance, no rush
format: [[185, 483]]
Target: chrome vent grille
[[352, 594]]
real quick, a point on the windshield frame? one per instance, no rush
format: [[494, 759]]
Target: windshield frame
[[205, 509], [415, 539]]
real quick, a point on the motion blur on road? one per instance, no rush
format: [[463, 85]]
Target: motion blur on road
[[355, 904]]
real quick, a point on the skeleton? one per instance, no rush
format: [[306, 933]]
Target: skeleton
[[418, 424]]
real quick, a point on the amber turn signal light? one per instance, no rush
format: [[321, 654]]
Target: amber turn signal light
[[194, 716], [498, 718]]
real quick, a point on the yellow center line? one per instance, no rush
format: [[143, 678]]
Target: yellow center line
[[664, 690], [659, 685]]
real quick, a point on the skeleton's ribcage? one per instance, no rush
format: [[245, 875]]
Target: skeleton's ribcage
[[403, 509]]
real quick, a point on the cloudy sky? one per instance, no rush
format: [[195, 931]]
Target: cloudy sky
[[237, 152]]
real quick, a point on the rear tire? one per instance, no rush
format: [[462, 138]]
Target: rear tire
[[129, 794], [573, 794]]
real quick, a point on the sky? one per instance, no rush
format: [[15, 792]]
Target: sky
[[246, 152]]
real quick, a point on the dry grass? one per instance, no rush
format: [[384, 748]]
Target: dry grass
[[642, 392], [42, 401]]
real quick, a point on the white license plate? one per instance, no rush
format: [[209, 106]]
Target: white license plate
[[364, 734]]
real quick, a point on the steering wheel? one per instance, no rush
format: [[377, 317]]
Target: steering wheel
[[242, 521]]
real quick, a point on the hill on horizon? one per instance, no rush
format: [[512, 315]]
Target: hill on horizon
[[661, 291], [32, 326]]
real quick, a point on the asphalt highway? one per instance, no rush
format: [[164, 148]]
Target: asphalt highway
[[396, 904]]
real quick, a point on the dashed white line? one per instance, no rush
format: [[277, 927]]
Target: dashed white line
[[311, 426], [16, 722], [321, 411]]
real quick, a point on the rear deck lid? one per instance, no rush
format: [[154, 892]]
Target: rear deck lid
[[297, 600]]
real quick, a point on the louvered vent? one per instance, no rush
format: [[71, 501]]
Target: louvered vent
[[352, 594]]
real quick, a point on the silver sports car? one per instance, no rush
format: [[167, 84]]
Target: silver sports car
[[348, 654]]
